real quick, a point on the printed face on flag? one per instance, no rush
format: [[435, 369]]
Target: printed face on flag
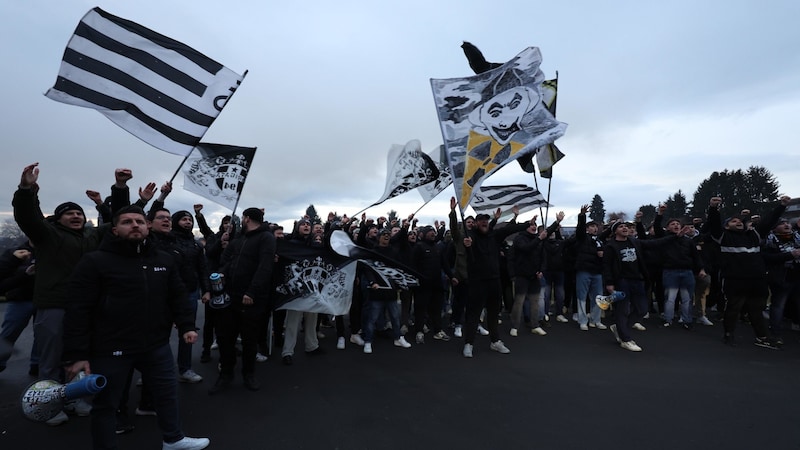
[[492, 118]]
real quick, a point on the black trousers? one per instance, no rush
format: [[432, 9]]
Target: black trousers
[[231, 322]]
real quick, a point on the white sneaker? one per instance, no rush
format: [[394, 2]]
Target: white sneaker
[[420, 338], [368, 347], [513, 332], [600, 326], [58, 419], [187, 443], [638, 326], [575, 317], [356, 339], [499, 347], [467, 351], [584, 327], [214, 345], [704, 320], [561, 318], [402, 342], [190, 377], [630, 345], [540, 331], [483, 331], [260, 357], [457, 332], [79, 407], [340, 343]]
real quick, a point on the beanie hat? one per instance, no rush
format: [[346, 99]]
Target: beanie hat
[[255, 214], [178, 216], [67, 206]]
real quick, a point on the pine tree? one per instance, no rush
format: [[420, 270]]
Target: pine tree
[[597, 210]]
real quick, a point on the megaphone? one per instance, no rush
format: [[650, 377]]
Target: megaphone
[[43, 399]]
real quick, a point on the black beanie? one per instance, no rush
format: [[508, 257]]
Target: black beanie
[[67, 206]]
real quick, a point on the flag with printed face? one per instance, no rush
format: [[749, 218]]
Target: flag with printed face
[[493, 118], [489, 198], [549, 154], [158, 89], [432, 189], [407, 168], [218, 172]]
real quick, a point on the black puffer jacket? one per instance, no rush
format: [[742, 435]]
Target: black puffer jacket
[[124, 300], [247, 265]]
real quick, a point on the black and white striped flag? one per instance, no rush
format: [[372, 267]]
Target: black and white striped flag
[[489, 198], [158, 89]]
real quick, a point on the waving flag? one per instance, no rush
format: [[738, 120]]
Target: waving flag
[[489, 198], [313, 279], [432, 189], [548, 155], [493, 118], [158, 89], [218, 172], [407, 168]]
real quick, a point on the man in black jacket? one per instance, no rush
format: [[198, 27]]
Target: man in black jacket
[[483, 268], [247, 269], [125, 298]]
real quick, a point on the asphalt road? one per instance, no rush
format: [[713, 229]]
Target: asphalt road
[[568, 390]]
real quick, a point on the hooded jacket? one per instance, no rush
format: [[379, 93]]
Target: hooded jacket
[[125, 298]]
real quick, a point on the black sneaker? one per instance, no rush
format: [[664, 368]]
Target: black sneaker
[[766, 343], [730, 339], [287, 360], [251, 383], [205, 357], [223, 382], [123, 423], [687, 326], [316, 351]]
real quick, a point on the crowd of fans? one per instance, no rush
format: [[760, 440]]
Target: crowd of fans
[[82, 288]]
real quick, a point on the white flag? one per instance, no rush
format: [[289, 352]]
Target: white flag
[[432, 189], [218, 172], [158, 89], [489, 198], [407, 168]]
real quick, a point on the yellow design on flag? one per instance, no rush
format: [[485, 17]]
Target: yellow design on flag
[[484, 154]]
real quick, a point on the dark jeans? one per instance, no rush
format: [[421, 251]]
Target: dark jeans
[[233, 321], [782, 293], [750, 295], [460, 293], [629, 310], [374, 309], [208, 328], [158, 373], [185, 349], [428, 302], [483, 293]]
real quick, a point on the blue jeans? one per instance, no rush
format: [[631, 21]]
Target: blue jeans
[[17, 316], [678, 281], [374, 310], [158, 373], [184, 349], [591, 284]]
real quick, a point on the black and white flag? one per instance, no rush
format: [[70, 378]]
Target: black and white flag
[[158, 89], [407, 168], [432, 189], [218, 172], [489, 198]]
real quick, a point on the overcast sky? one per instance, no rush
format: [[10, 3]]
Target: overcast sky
[[656, 95]]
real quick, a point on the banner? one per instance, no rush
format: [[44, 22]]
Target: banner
[[493, 118], [218, 172], [313, 279], [549, 154], [158, 89], [489, 198]]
